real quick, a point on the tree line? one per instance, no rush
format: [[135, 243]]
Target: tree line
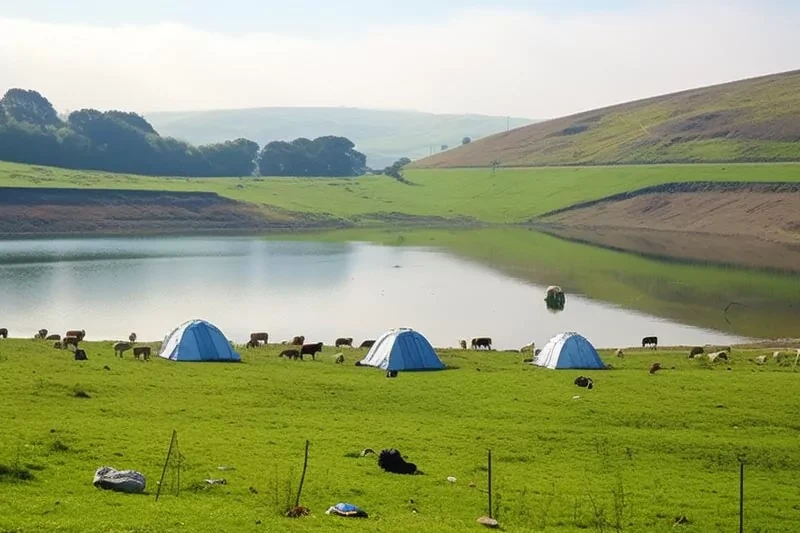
[[31, 131]]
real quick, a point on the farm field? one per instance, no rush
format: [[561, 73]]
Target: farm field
[[511, 195], [633, 454]]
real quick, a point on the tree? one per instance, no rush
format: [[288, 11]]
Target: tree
[[466, 140], [324, 156], [231, 158], [29, 107], [396, 169]]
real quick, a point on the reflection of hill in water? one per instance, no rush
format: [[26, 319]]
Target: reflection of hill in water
[[767, 303]]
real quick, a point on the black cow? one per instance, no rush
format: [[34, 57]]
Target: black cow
[[650, 341], [367, 344], [697, 350], [482, 342], [290, 354], [311, 349], [344, 341], [583, 381], [80, 355], [4, 333]]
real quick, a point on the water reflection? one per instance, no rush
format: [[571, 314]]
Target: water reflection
[[323, 290]]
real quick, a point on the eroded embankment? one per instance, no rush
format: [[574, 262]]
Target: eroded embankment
[[40, 212], [768, 211]]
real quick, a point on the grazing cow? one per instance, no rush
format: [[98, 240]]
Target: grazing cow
[[80, 355], [655, 367], [367, 344], [583, 381], [482, 342], [717, 356], [132, 337], [4, 333], [697, 350], [122, 347], [311, 349], [620, 353], [298, 340], [339, 358], [650, 341], [344, 341], [77, 333], [463, 344], [290, 354], [70, 341], [54, 337], [761, 359], [777, 356], [252, 344], [142, 351], [41, 334], [259, 337]]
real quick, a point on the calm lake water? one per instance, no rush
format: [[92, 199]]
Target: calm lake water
[[110, 287]]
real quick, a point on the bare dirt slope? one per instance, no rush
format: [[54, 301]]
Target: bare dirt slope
[[750, 120], [765, 211], [34, 211]]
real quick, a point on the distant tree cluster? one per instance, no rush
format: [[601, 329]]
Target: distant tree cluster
[[396, 169], [324, 156], [32, 132]]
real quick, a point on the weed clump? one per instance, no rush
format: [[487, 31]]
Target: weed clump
[[58, 446], [14, 473]]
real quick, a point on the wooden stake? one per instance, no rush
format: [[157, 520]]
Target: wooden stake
[[302, 477], [166, 463], [490, 484], [741, 496]]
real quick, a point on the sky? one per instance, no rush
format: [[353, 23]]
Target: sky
[[529, 58]]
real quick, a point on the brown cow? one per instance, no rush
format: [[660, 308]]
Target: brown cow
[[298, 340], [655, 367], [76, 333], [290, 354], [367, 344], [4, 333], [142, 351], [70, 341], [54, 337], [311, 349], [259, 337], [344, 341], [482, 342]]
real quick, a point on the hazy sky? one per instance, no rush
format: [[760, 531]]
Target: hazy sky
[[533, 58]]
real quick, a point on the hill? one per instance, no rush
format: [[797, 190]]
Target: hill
[[384, 136], [751, 120]]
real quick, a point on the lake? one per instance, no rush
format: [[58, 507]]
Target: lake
[[316, 287]]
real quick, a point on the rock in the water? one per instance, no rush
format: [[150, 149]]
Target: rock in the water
[[488, 522]]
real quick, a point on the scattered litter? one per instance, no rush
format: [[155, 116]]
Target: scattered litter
[[129, 481], [576, 397], [451, 479], [224, 468], [488, 522], [348, 510], [216, 481]]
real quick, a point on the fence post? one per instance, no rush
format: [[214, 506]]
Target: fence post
[[741, 496]]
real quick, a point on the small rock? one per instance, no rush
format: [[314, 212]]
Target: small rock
[[488, 522]]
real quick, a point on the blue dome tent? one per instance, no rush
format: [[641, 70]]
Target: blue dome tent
[[402, 349], [197, 340], [568, 350]]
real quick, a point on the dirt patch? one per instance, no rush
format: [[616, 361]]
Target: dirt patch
[[767, 211], [41, 211]]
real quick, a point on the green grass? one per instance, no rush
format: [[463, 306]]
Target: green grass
[[694, 294], [669, 443], [509, 196]]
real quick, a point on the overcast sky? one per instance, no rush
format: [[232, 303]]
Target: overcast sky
[[531, 58]]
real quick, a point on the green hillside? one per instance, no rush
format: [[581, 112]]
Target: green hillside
[[384, 136], [506, 196], [750, 120]]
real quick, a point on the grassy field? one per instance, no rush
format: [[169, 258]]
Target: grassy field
[[508, 196], [689, 293], [750, 120], [631, 455]]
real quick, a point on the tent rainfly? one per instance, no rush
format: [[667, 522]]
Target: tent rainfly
[[568, 350], [197, 340], [402, 349]]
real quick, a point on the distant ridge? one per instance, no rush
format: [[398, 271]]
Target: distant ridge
[[383, 135], [752, 120]]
